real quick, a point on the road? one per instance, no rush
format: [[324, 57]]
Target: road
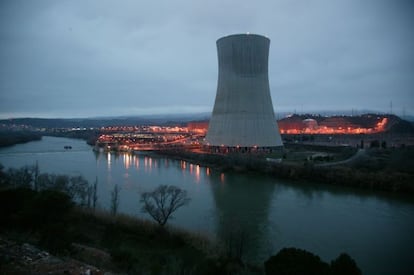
[[360, 153]]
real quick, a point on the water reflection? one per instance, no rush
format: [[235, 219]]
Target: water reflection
[[150, 163], [242, 212], [183, 165], [197, 173], [136, 162], [194, 169], [108, 157], [127, 160], [147, 164]]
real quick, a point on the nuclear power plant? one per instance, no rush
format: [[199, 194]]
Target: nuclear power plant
[[243, 118]]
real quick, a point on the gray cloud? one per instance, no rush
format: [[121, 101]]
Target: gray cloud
[[91, 58]]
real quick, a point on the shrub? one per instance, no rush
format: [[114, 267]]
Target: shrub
[[344, 265], [292, 261], [13, 203]]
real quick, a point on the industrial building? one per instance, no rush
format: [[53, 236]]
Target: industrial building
[[243, 118]]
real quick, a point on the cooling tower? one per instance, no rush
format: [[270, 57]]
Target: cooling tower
[[243, 115]]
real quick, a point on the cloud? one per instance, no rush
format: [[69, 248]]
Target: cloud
[[107, 57]]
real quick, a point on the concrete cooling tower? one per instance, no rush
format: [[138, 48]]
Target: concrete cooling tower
[[243, 116]]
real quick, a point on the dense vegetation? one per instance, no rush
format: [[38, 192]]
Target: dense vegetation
[[292, 261], [57, 213], [8, 138], [90, 136], [377, 169]]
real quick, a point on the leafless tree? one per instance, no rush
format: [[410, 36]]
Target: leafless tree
[[36, 172], [77, 188], [92, 196], [95, 193], [163, 201], [22, 177], [115, 199]]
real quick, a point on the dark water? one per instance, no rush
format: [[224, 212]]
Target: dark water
[[377, 230]]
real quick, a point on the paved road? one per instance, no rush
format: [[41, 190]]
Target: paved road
[[358, 154]]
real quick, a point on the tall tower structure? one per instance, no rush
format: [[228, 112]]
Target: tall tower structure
[[243, 116]]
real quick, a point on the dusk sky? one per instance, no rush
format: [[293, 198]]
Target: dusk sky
[[115, 58]]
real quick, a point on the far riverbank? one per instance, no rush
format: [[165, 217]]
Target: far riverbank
[[378, 170], [8, 138]]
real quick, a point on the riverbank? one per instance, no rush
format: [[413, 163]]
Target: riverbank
[[378, 170], [9, 138], [95, 239], [90, 136], [44, 232]]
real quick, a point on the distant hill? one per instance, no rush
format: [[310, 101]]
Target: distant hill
[[295, 121], [402, 126], [100, 122], [390, 123]]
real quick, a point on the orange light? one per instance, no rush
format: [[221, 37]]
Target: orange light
[[380, 126]]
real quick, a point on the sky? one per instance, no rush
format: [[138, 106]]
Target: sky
[[84, 58]]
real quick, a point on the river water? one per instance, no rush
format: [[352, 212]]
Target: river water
[[376, 229]]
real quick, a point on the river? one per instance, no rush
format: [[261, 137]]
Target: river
[[376, 229]]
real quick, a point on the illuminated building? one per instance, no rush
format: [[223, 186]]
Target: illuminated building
[[364, 124], [243, 118]]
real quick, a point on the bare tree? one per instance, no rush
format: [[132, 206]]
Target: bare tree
[[77, 188], [115, 199], [95, 193], [36, 172], [89, 191], [92, 195], [22, 177], [163, 201]]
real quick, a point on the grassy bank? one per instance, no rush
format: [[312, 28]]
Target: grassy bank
[[119, 243], [87, 239], [59, 219], [138, 246], [379, 169]]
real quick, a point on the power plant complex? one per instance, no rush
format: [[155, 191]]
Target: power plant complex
[[243, 118]]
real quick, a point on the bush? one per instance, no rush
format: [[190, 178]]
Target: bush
[[292, 261], [50, 207], [45, 213], [344, 265], [13, 204], [123, 258]]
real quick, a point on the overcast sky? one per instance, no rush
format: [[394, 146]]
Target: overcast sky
[[110, 57]]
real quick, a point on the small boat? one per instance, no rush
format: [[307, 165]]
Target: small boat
[[67, 147]]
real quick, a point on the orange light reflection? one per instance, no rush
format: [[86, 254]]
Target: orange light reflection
[[222, 177], [197, 173]]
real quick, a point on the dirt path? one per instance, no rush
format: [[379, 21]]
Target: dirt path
[[360, 153], [28, 259]]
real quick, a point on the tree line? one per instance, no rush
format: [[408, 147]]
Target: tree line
[[159, 203], [8, 138]]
